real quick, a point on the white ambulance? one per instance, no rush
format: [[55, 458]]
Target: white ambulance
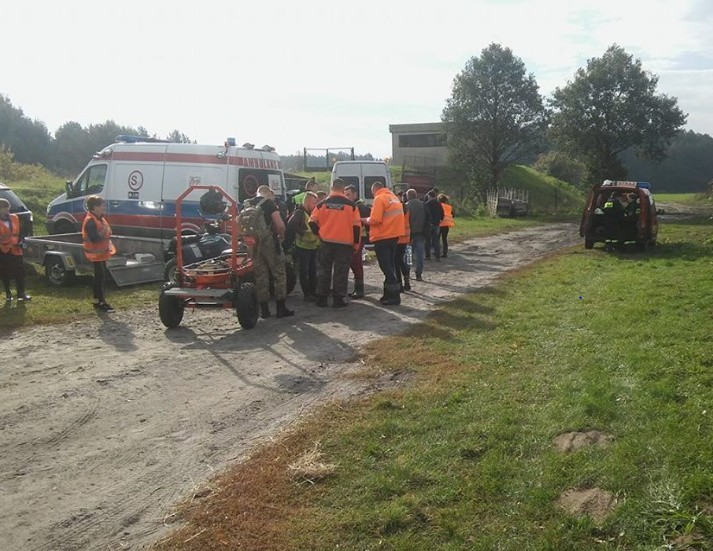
[[362, 174], [140, 178]]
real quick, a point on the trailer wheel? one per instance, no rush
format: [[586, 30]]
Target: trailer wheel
[[589, 243], [169, 271], [170, 310], [56, 273], [246, 305]]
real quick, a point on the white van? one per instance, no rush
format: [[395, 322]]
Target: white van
[[141, 178], [362, 174]]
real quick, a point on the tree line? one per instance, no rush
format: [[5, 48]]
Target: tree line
[[72, 145], [609, 121]]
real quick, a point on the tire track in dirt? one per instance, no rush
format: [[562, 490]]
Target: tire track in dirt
[[142, 417]]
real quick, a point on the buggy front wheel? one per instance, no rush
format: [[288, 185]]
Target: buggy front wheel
[[246, 305], [170, 310]]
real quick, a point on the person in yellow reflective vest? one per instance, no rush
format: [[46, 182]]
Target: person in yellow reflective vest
[[446, 224], [306, 244], [98, 248]]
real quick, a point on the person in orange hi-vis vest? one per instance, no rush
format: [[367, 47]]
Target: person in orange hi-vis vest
[[336, 221], [98, 248], [446, 224], [403, 270], [11, 245], [386, 224]]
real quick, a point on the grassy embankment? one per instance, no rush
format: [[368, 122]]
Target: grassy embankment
[[463, 457], [54, 305]]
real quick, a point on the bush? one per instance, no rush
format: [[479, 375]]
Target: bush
[[563, 167]]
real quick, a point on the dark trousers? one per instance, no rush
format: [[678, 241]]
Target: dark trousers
[[400, 266], [333, 261], [307, 262], [357, 262], [385, 250], [99, 280], [427, 241], [444, 239], [435, 242], [12, 267]]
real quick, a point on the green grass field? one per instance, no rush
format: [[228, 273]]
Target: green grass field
[[463, 458], [683, 198]]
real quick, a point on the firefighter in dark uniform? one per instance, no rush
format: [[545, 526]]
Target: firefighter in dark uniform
[[336, 221], [613, 219], [631, 215]]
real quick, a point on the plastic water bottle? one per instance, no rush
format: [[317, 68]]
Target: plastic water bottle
[[409, 255]]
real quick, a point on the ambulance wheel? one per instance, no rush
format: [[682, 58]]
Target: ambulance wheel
[[56, 273], [170, 310], [63, 226], [169, 271], [246, 305], [589, 243]]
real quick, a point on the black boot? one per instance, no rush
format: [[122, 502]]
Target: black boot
[[385, 295], [358, 289], [264, 310], [391, 295], [282, 311], [321, 301], [339, 302], [407, 284]]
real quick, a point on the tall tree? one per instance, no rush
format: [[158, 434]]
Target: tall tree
[[688, 165], [27, 139], [609, 107], [176, 136], [495, 116], [74, 145]]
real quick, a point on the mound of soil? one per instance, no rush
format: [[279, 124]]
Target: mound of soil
[[594, 503], [573, 441]]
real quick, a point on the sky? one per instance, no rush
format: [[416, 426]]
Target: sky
[[321, 74]]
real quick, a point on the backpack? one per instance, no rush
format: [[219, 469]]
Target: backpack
[[251, 221]]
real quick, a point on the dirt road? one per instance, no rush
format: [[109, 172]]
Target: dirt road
[[108, 422]]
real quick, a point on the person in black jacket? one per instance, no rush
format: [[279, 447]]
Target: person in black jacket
[[435, 211]]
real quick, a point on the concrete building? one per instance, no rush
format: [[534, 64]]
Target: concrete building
[[419, 145]]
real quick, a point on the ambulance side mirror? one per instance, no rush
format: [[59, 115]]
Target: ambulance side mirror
[[68, 188]]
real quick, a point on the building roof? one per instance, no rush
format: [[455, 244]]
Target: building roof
[[417, 127]]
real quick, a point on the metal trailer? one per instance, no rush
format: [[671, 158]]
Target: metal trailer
[[137, 259]]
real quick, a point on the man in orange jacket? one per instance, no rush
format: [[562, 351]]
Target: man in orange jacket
[[11, 242], [446, 224], [386, 224], [336, 221]]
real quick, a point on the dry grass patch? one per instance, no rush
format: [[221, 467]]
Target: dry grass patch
[[311, 467]]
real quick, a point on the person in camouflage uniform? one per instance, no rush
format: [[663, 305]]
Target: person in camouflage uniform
[[268, 257]]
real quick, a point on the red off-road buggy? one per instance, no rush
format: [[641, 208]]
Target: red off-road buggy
[[224, 281]]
